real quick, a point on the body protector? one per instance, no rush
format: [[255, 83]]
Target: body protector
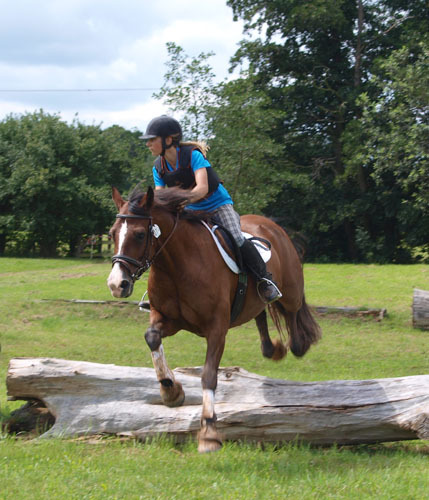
[[184, 176]]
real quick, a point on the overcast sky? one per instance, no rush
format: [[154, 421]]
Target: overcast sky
[[103, 44]]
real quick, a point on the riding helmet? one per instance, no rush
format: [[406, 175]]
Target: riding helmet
[[163, 126]]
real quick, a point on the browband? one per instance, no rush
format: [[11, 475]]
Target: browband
[[132, 216]]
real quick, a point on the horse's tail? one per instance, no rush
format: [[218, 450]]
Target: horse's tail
[[302, 328]]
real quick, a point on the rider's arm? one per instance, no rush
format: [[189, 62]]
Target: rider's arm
[[201, 187]]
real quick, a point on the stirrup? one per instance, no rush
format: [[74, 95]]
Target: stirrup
[[265, 282], [144, 305]]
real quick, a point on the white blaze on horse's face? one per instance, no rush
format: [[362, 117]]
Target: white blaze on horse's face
[[117, 275], [122, 234]]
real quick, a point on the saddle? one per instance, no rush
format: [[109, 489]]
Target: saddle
[[236, 264]]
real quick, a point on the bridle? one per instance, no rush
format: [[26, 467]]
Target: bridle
[[145, 262]]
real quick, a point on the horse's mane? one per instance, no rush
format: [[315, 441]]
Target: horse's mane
[[170, 199]]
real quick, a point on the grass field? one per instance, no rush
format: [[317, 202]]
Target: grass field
[[109, 468]]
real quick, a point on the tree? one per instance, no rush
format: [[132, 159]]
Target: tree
[[391, 142], [314, 61], [242, 147], [36, 156], [56, 179], [187, 89]]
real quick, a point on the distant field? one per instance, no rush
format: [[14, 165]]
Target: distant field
[[351, 348]]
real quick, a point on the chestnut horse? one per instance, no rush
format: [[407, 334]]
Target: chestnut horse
[[191, 288]]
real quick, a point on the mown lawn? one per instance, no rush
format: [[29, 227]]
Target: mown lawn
[[107, 468]]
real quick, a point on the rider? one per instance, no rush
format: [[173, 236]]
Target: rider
[[184, 164]]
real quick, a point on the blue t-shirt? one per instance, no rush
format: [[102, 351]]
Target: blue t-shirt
[[215, 200]]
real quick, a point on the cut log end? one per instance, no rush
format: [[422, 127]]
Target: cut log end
[[420, 425], [32, 418], [421, 309]]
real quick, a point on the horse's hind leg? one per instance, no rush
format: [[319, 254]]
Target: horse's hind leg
[[171, 390], [273, 350], [267, 346]]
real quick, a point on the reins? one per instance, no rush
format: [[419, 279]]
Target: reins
[[145, 262]]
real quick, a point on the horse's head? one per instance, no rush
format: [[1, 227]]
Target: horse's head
[[132, 235]]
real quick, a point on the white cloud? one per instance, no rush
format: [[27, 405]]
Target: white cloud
[[11, 107], [134, 117], [104, 44], [121, 70]]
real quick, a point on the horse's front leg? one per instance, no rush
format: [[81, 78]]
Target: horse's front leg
[[209, 438], [171, 390]]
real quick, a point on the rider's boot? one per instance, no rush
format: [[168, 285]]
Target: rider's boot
[[267, 289]]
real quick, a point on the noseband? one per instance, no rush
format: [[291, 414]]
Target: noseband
[[145, 262]]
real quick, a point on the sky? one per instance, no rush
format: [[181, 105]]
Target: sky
[[84, 45]]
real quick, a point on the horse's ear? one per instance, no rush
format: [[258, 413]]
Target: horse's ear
[[149, 197], [147, 201], [117, 198]]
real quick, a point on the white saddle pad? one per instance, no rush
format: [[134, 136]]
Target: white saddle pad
[[262, 248]]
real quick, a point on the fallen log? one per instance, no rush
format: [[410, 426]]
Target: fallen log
[[89, 398], [86, 301], [421, 309], [379, 314]]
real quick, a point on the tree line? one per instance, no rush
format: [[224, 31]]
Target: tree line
[[326, 129], [56, 181]]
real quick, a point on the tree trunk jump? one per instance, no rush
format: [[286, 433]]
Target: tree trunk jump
[[90, 398]]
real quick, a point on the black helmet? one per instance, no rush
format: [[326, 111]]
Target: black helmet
[[163, 126]]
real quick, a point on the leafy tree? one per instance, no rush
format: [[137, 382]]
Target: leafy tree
[[56, 179], [8, 131], [187, 89], [242, 148], [35, 154], [314, 60], [391, 142], [129, 160]]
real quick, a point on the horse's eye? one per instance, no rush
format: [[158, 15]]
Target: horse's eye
[[141, 235]]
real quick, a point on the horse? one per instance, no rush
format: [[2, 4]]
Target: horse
[[191, 288]]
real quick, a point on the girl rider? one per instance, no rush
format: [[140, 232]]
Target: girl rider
[[185, 164]]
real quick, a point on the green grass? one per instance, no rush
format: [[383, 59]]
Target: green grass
[[159, 470], [351, 348]]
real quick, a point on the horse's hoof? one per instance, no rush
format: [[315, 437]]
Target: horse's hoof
[[209, 445], [267, 349], [172, 396], [209, 440]]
